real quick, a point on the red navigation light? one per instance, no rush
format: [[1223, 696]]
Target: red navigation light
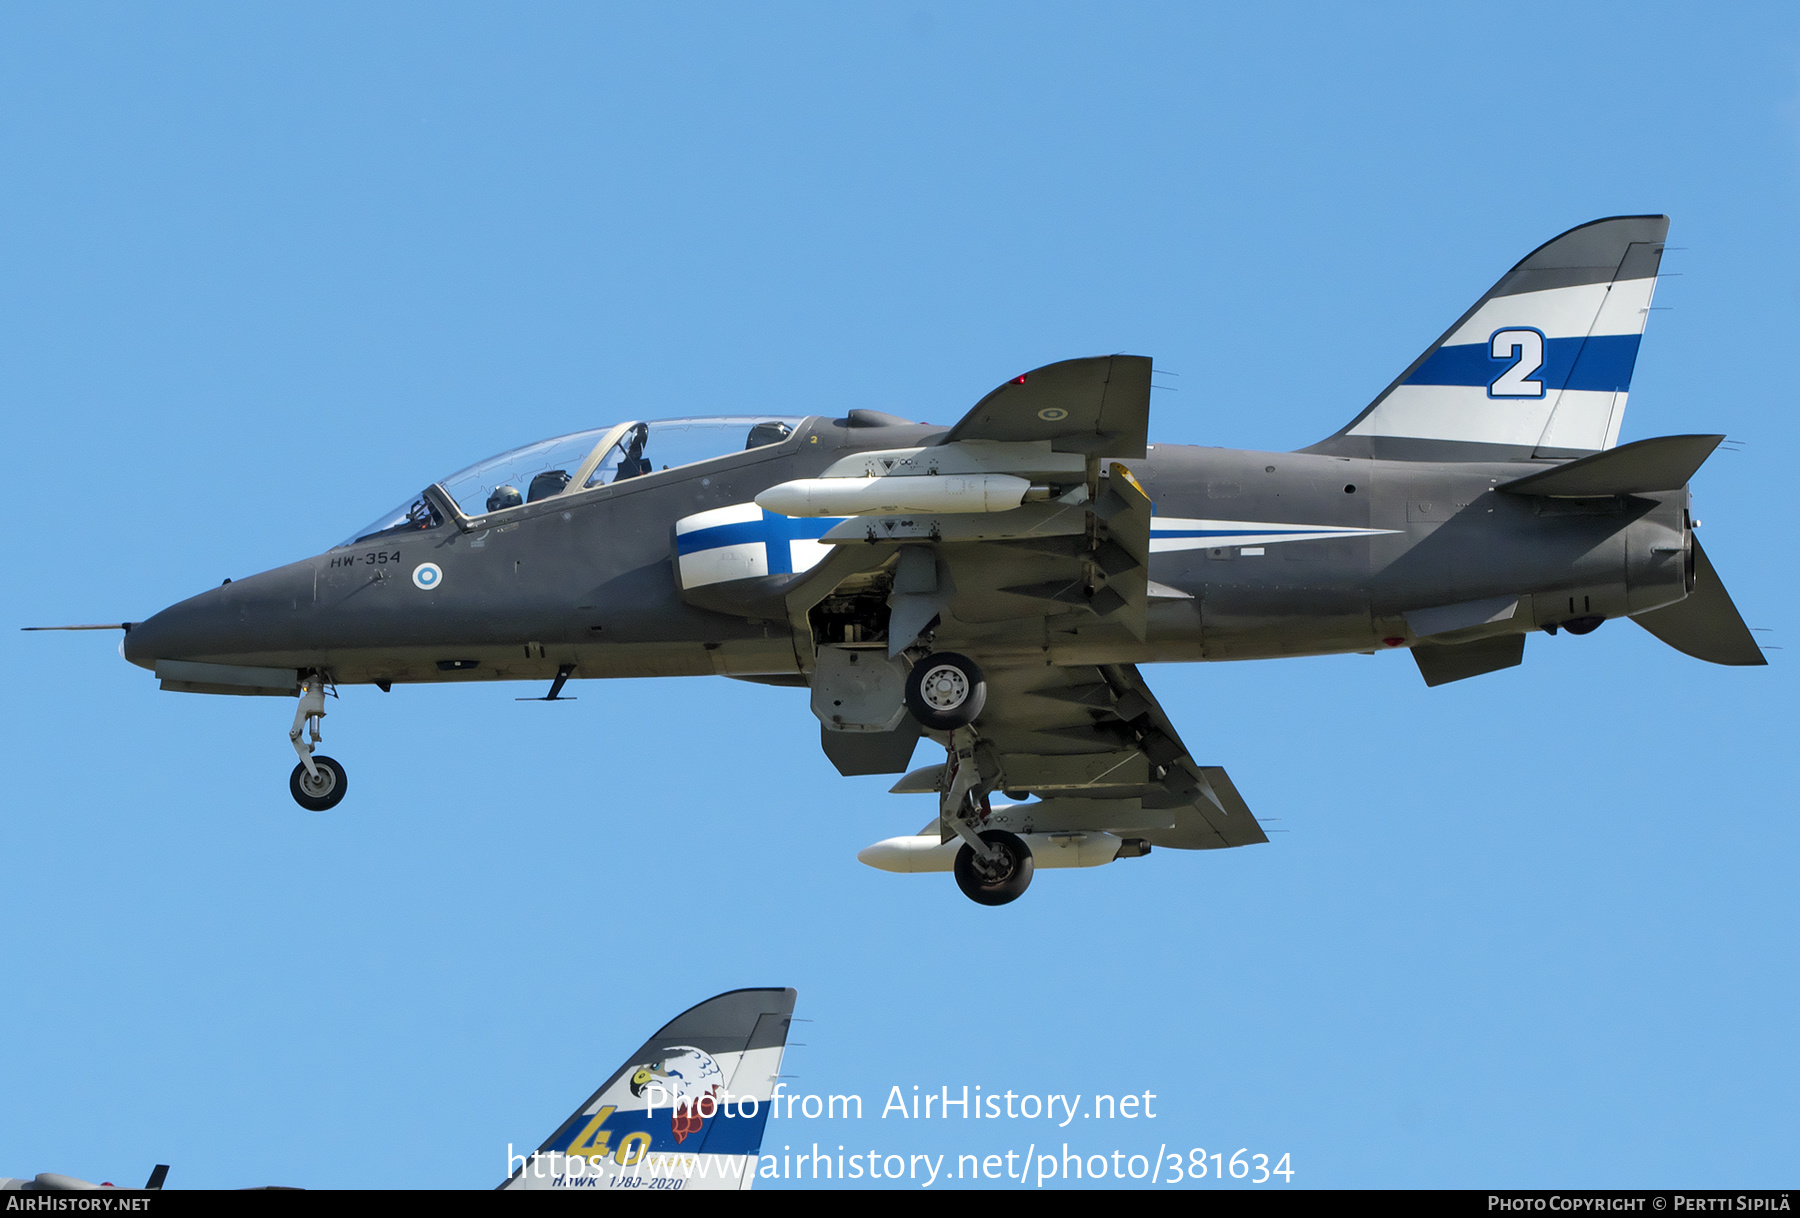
[[1020, 381]]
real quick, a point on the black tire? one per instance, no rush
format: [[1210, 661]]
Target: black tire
[[324, 794], [987, 884], [945, 691]]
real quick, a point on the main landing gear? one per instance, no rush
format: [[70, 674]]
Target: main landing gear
[[318, 782], [999, 878], [945, 691], [993, 867]]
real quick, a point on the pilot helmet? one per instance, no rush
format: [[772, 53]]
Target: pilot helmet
[[504, 496]]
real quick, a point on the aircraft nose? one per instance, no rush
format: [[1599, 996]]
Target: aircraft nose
[[180, 632], [139, 644], [225, 624]]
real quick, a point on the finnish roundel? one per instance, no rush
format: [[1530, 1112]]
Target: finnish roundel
[[1053, 414], [427, 575]]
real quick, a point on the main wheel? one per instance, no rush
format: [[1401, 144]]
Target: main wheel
[[945, 691], [323, 792], [996, 882]]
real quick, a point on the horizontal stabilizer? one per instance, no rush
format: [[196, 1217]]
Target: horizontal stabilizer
[[1664, 463], [1706, 625]]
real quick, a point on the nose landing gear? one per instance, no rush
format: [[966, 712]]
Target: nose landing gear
[[320, 790], [317, 783]]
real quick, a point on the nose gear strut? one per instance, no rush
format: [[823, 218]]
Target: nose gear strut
[[318, 782]]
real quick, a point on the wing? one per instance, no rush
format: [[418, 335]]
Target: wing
[[1098, 751], [1099, 405], [1043, 569]]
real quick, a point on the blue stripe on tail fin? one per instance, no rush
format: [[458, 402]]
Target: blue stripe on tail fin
[[1539, 367], [687, 1110]]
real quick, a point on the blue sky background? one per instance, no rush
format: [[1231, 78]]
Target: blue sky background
[[266, 273]]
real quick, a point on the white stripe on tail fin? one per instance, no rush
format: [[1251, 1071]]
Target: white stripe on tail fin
[[1539, 367]]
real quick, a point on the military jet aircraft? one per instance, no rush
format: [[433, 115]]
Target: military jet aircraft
[[994, 585]]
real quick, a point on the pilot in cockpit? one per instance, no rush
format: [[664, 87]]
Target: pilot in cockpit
[[504, 497], [633, 462]]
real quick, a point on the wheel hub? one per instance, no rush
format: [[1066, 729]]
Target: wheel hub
[[945, 688], [999, 868], [320, 786]]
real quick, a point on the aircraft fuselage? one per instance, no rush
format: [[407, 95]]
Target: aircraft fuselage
[[589, 579]]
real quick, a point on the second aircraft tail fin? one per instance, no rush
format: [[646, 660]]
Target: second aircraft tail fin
[[685, 1112]]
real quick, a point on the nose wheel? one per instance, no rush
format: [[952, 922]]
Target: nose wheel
[[318, 782], [321, 789]]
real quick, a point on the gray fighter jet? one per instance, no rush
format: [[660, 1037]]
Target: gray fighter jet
[[994, 585]]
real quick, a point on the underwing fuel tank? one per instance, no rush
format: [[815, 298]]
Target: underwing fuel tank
[[912, 493], [912, 855]]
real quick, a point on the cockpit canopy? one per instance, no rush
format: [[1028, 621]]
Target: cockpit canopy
[[570, 464]]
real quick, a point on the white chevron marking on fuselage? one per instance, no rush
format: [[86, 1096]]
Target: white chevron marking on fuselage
[[1171, 533]]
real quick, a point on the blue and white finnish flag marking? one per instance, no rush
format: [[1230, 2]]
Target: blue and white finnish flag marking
[[743, 541]]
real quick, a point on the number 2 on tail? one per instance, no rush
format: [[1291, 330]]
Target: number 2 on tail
[[1526, 350]]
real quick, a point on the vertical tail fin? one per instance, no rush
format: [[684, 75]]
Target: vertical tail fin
[[1539, 367], [689, 1105]]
